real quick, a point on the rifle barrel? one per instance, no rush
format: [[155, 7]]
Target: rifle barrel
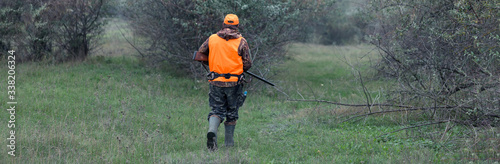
[[260, 78]]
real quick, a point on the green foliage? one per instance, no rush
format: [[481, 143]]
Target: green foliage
[[10, 13], [49, 29], [38, 32], [177, 28], [25, 29]]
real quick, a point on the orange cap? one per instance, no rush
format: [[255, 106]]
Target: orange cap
[[231, 19]]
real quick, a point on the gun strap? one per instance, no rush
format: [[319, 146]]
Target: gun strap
[[213, 75]]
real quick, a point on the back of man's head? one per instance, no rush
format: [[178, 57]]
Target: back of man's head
[[231, 21]]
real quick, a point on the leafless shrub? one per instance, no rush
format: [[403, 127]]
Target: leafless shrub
[[442, 54]]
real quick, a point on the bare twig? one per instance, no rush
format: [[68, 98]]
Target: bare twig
[[314, 94], [400, 110], [416, 126], [448, 128], [300, 94], [365, 91], [137, 49], [343, 104], [279, 90]]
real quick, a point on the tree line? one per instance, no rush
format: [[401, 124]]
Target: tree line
[[63, 30]]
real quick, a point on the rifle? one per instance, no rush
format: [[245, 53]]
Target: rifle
[[204, 60]]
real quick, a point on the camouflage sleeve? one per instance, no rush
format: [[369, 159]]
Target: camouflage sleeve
[[204, 48], [244, 52]]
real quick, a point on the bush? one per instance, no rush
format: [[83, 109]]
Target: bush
[[175, 29], [444, 55], [50, 29], [10, 20], [78, 24]]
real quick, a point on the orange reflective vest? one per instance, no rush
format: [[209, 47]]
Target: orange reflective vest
[[223, 57]]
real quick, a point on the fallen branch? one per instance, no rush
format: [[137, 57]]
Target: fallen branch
[[354, 105], [416, 126], [400, 110]]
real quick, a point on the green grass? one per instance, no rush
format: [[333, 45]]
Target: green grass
[[326, 72], [116, 110]]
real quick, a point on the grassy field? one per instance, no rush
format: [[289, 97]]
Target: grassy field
[[114, 109]]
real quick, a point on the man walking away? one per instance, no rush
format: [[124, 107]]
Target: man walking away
[[228, 57]]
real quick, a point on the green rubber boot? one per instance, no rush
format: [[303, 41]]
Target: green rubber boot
[[229, 142], [213, 125]]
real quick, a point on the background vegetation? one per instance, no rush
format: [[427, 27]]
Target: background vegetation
[[51, 30], [175, 29], [444, 55], [360, 81]]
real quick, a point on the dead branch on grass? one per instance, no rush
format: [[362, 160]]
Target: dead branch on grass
[[352, 105], [416, 126], [399, 110]]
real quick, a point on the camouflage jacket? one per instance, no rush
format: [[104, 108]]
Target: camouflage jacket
[[243, 51]]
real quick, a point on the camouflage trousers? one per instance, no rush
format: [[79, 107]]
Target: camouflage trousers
[[225, 102]]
